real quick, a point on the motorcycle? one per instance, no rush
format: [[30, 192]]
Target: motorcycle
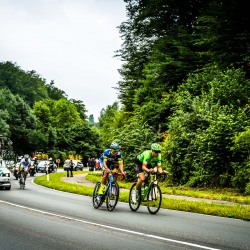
[[16, 171], [32, 170], [51, 168], [35, 165]]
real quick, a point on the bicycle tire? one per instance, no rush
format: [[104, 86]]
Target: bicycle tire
[[154, 199], [97, 199], [21, 181], [134, 205], [113, 196]]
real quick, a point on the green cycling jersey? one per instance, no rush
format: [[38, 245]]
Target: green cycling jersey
[[147, 159]]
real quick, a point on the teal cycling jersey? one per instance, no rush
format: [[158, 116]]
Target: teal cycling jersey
[[146, 158]]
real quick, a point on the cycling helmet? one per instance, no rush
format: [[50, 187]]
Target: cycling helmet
[[26, 156], [114, 145], [156, 147], [50, 159]]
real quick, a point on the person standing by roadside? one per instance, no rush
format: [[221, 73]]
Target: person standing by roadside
[[67, 166], [71, 168]]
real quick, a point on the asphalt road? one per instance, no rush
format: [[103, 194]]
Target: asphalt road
[[40, 218]]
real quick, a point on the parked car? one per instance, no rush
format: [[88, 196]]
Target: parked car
[[5, 177], [78, 165], [41, 167]]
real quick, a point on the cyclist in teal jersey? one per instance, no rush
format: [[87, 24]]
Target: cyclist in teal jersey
[[146, 162]]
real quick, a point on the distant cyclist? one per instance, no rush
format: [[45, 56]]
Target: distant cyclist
[[146, 162], [111, 157], [25, 166]]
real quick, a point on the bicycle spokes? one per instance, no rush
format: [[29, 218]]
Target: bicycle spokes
[[97, 199], [134, 198], [113, 196], [154, 199]]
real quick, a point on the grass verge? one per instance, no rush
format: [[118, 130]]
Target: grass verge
[[236, 211]]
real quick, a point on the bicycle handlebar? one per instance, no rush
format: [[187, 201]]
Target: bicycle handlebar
[[158, 174], [117, 173]]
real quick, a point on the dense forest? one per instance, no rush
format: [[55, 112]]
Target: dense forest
[[185, 84], [38, 117]]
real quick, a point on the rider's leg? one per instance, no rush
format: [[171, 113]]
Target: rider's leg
[[25, 176], [104, 182], [141, 179]]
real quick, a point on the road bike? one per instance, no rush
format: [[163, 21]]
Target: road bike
[[149, 192], [111, 193], [21, 179]]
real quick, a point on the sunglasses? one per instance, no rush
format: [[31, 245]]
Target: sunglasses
[[156, 151]]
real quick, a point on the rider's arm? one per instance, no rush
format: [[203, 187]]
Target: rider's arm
[[105, 164], [144, 168], [159, 167], [121, 167]]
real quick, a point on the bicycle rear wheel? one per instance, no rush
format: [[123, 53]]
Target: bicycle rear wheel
[[134, 204], [154, 199], [21, 181], [97, 199], [113, 196]]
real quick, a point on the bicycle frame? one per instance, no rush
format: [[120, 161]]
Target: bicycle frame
[[151, 179], [107, 190], [152, 194], [109, 194]]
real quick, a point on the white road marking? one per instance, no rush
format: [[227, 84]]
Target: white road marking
[[110, 227]]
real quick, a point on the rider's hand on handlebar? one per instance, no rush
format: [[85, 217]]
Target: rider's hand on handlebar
[[164, 172], [123, 175], [151, 170]]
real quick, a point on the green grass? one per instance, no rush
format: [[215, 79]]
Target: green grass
[[237, 211]]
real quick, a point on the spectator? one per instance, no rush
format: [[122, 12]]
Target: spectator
[[71, 168], [67, 166]]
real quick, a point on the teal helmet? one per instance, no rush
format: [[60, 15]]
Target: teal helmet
[[114, 145], [156, 147]]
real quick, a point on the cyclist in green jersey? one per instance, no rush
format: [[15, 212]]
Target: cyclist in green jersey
[[146, 162]]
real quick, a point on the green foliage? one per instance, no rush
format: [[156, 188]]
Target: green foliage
[[110, 119], [55, 93], [134, 138], [19, 123], [208, 115], [54, 123], [241, 163], [29, 85]]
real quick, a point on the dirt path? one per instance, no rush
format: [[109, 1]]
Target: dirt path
[[79, 179]]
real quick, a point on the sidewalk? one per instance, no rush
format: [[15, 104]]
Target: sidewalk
[[80, 180]]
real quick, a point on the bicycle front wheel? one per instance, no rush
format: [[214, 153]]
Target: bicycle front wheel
[[113, 196], [154, 199], [134, 199], [97, 199]]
